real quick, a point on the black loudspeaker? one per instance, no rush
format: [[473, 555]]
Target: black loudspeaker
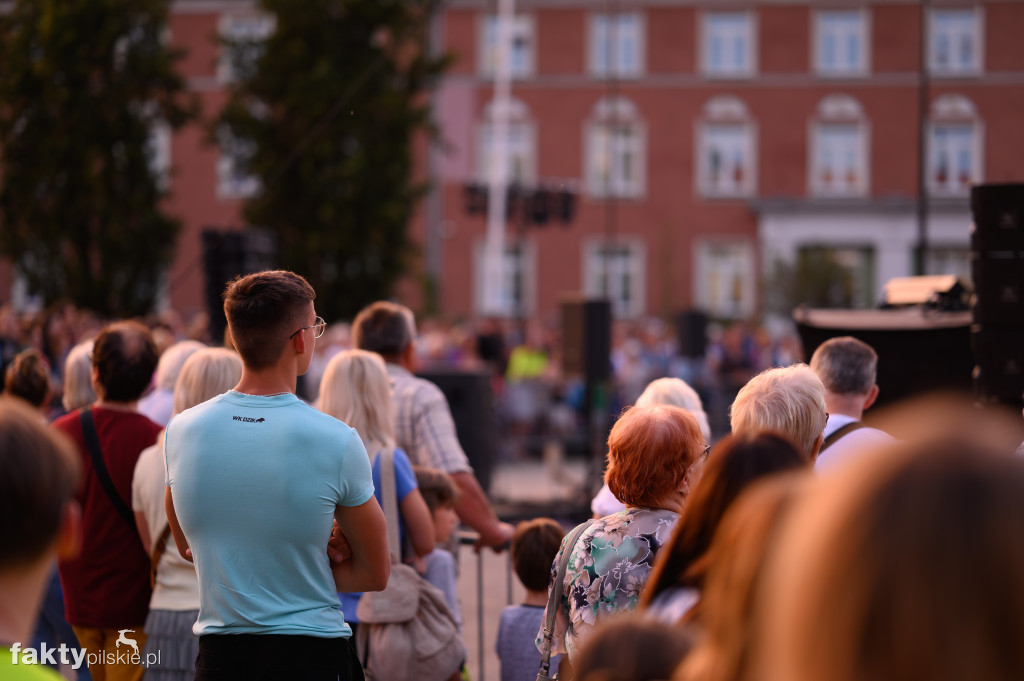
[[998, 288], [471, 401], [692, 328], [227, 254], [587, 338], [999, 368], [998, 213]]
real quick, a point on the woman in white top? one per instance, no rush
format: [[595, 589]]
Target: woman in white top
[[174, 607]]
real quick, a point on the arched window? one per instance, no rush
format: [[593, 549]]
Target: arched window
[[839, 148], [615, 149], [521, 155], [726, 162], [954, 146]]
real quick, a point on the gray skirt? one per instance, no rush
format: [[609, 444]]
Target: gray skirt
[[171, 647]]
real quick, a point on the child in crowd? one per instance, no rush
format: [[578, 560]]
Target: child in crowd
[[438, 566], [534, 546]]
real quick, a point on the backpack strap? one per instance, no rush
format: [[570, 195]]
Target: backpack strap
[[555, 596], [92, 443], [389, 501], [839, 433]]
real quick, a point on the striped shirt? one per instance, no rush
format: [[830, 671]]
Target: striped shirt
[[424, 427]]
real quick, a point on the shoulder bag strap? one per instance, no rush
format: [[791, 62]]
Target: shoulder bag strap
[[389, 499], [92, 443], [838, 433], [554, 597], [158, 552]]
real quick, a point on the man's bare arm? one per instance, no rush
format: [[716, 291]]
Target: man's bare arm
[[172, 520], [475, 510], [366, 532]]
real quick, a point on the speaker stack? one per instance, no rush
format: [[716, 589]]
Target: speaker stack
[[227, 254], [587, 338], [997, 267]]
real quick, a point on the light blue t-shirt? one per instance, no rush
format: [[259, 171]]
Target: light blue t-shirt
[[405, 482], [255, 481]]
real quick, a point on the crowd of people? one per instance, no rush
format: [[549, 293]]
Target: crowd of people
[[190, 516]]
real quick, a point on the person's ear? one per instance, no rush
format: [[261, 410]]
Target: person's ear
[[299, 342], [69, 535], [817, 447], [872, 396]]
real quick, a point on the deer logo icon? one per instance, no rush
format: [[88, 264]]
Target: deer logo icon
[[121, 638], [260, 420]]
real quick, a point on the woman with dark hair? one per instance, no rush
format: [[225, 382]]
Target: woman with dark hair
[[736, 462], [28, 378]]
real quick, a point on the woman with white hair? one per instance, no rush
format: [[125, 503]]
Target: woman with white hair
[[356, 389], [671, 391], [174, 606], [78, 390]]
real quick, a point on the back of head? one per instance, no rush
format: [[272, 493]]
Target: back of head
[[910, 566], [437, 487], [78, 390], [171, 362], [790, 400], [28, 378], [736, 463], [631, 648], [385, 328], [39, 471], [677, 392], [650, 450], [845, 365], [124, 357], [262, 309], [534, 546], [355, 389], [208, 372]]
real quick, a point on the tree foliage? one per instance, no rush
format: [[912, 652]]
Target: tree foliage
[[83, 86], [324, 115]]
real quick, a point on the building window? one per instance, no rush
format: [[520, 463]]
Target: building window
[[841, 277], [726, 160], [617, 273], [234, 181], [839, 149], [520, 150], [516, 294], [948, 260], [840, 43], [615, 150], [728, 47], [724, 282], [158, 150], [954, 45], [954, 153], [245, 34], [616, 45], [520, 56]]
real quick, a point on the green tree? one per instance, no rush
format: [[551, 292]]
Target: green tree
[[324, 115], [815, 279], [85, 88]]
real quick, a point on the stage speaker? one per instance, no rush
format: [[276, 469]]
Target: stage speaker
[[227, 254], [587, 338], [999, 368], [692, 330], [998, 289], [998, 213], [471, 401]]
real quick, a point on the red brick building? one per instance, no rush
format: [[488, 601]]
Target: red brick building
[[706, 139]]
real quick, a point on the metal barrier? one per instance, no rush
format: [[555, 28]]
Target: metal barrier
[[484, 598]]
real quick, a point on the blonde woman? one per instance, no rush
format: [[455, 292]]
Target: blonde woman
[[78, 390], [356, 389], [174, 606]]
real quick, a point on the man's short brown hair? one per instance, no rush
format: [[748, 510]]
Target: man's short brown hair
[[385, 328], [125, 357], [262, 309], [534, 547], [39, 471], [650, 449]]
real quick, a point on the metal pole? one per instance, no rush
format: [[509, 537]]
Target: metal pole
[[923, 95]]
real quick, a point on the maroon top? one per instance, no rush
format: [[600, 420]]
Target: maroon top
[[107, 586]]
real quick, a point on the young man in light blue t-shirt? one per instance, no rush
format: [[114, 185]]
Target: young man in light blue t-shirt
[[255, 478]]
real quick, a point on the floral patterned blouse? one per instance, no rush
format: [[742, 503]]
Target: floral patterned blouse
[[607, 569]]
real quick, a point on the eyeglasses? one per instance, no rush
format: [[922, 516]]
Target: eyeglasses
[[318, 328], [704, 454]]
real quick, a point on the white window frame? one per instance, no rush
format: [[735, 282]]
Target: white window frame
[[231, 183], [520, 125], [721, 112], [862, 32], [614, 44], [614, 114], [506, 305], [634, 268], [977, 35], [747, 70], [523, 26], [839, 110], [705, 278], [948, 111], [159, 152], [254, 25]]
